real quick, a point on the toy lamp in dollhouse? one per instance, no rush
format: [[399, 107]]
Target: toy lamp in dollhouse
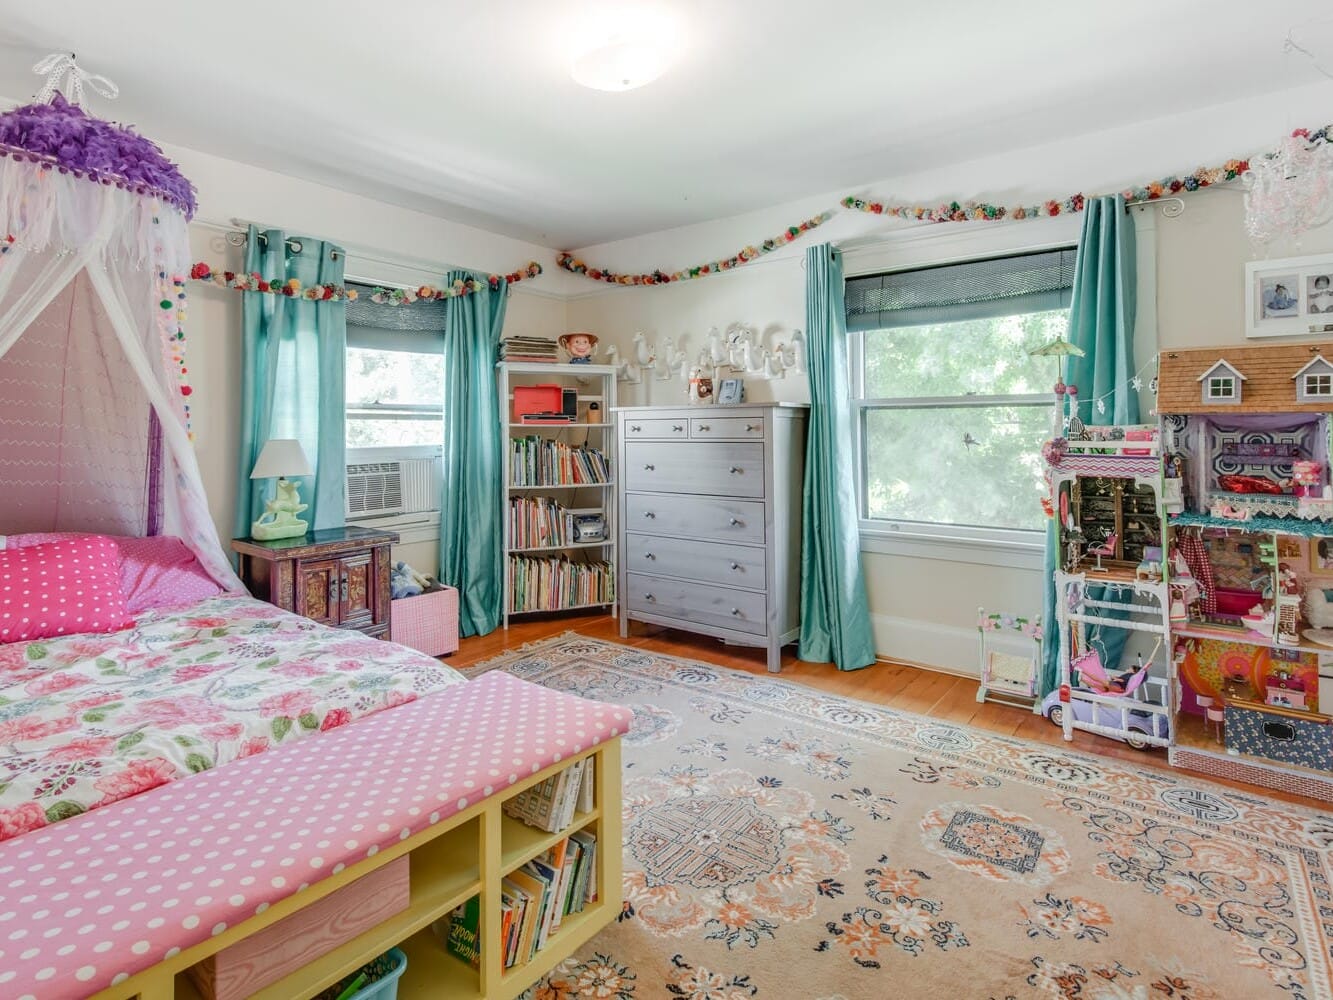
[[280, 458], [1059, 348]]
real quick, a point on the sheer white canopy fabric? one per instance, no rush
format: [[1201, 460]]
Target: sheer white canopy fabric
[[86, 364]]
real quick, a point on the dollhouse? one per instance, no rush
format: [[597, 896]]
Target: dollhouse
[[1246, 472], [1212, 541]]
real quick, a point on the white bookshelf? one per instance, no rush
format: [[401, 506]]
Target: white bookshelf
[[594, 383]]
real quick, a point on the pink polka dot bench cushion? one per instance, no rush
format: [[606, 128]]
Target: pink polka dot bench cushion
[[63, 588], [92, 900]]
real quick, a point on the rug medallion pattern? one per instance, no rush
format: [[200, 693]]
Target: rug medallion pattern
[[785, 843]]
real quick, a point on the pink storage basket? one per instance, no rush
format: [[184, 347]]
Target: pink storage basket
[[428, 622]]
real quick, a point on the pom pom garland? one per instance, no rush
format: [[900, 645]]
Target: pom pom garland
[[293, 288], [575, 266]]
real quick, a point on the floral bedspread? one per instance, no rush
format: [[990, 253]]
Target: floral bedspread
[[87, 720]]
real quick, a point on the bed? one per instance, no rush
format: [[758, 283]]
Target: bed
[[86, 720]]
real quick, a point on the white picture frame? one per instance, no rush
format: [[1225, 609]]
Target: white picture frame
[[1291, 297], [731, 391]]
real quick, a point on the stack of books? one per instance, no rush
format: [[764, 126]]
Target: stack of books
[[535, 898], [555, 584], [516, 348], [538, 461], [550, 805]]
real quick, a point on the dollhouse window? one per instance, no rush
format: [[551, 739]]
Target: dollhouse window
[[1222, 387], [1319, 385]]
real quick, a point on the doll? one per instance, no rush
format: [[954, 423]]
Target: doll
[[579, 346]]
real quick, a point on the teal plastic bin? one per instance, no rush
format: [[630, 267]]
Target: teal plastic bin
[[387, 987]]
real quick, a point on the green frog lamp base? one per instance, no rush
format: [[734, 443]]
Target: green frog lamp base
[[281, 458]]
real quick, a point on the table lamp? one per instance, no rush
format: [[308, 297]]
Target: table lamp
[[281, 457]]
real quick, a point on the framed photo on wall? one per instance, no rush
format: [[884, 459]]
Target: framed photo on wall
[[1290, 297], [1321, 556]]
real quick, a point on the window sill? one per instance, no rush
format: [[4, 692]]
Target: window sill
[[421, 526], [984, 550]]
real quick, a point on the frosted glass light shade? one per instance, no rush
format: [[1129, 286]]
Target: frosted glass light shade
[[622, 65], [282, 457]]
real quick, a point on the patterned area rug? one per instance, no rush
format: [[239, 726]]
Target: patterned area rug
[[785, 843]]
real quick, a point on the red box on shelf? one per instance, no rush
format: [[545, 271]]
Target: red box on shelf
[[535, 399]]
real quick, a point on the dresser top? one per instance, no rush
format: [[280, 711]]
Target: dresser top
[[703, 409]]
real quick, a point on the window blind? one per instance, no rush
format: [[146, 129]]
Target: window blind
[[950, 293], [417, 327]]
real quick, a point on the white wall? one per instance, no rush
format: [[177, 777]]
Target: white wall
[[1191, 289], [421, 248]]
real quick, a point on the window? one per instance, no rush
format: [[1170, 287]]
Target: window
[[952, 409], [1319, 385], [1221, 387], [395, 374]]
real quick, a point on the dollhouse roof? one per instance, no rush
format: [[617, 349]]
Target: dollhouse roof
[[1318, 359], [1223, 363], [1268, 382]]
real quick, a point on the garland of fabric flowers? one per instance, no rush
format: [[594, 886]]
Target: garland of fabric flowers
[[575, 266], [953, 211], [171, 319], [293, 288], [973, 211]]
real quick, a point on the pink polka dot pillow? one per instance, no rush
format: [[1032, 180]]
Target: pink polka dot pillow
[[61, 589], [155, 572]]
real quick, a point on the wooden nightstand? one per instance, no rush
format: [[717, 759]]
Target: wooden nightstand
[[337, 577]]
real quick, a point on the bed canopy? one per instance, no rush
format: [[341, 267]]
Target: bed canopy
[[93, 391]]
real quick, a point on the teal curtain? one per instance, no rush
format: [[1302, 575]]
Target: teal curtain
[[835, 618], [472, 500], [1101, 323], [293, 353]]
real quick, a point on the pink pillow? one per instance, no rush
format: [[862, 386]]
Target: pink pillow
[[161, 571], [154, 572], [62, 588]]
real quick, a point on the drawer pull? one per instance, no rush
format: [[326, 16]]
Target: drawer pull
[[635, 428], [649, 597], [752, 427], [649, 555], [649, 468], [344, 589], [736, 522], [677, 427], [735, 566], [703, 427], [735, 612], [649, 514], [735, 470], [333, 592]]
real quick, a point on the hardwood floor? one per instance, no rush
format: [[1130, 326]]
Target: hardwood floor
[[913, 689]]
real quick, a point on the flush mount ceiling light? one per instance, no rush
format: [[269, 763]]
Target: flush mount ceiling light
[[622, 64]]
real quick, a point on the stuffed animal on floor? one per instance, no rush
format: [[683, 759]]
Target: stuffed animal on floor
[[404, 581]]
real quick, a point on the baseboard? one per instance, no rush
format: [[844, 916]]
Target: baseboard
[[946, 648]]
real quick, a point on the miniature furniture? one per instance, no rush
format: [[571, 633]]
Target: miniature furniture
[[1106, 467], [459, 846], [553, 419], [1010, 658], [337, 577], [1106, 548], [710, 506]]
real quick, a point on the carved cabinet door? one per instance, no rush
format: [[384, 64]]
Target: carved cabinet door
[[318, 591], [357, 591]]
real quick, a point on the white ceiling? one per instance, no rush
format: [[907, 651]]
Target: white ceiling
[[467, 110]]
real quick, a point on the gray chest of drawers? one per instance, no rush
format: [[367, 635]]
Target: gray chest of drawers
[[710, 520]]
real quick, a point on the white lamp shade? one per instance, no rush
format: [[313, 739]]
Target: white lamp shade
[[282, 457]]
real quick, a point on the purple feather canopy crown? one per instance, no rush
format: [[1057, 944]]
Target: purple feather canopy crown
[[63, 135]]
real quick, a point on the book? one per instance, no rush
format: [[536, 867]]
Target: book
[[550, 879], [589, 844], [556, 857], [587, 795], [464, 938], [533, 889]]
